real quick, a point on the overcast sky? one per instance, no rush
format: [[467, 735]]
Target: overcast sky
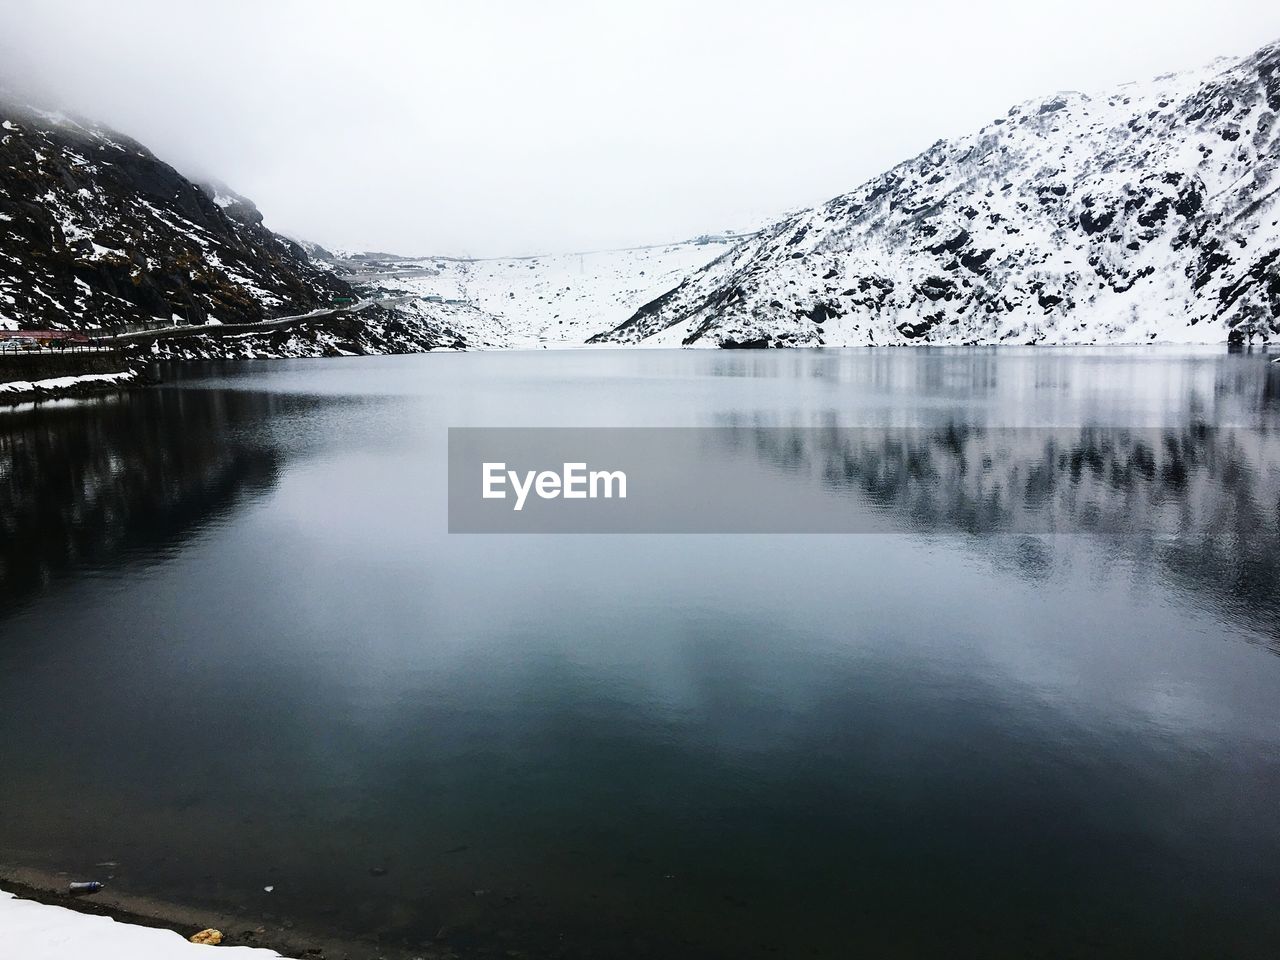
[[523, 126]]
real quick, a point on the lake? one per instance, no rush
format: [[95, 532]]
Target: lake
[[239, 648]]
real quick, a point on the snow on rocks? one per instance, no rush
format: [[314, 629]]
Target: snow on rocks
[[1146, 214], [20, 391]]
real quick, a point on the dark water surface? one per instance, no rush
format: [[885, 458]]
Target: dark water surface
[[238, 649]]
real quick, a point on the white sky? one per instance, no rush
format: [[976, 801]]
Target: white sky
[[488, 127]]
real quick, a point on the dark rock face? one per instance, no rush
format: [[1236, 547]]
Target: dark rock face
[[97, 233], [761, 343], [1149, 213]]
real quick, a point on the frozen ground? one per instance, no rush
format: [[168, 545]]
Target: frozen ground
[[561, 299], [38, 931]]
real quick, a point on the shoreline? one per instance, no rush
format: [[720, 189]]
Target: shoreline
[[18, 392], [239, 929]]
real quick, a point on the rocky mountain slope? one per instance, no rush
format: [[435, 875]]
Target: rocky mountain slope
[[1145, 214], [97, 233]]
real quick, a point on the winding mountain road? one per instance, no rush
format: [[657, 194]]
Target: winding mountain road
[[222, 329]]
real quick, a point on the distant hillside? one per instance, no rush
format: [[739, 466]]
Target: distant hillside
[[1145, 214], [536, 300]]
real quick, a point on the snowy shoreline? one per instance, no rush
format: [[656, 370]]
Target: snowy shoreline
[[57, 388], [32, 930], [41, 920]]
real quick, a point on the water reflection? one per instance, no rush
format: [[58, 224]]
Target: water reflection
[[1202, 502], [1016, 386], [949, 743], [105, 482]]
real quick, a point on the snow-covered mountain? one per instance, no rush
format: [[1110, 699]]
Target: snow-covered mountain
[[1145, 214], [537, 300], [97, 233], [1148, 213]]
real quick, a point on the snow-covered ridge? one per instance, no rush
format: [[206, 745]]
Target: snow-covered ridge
[[537, 300], [1145, 214]]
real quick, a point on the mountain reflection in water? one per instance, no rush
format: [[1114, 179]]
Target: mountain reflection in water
[[239, 648], [1202, 502], [130, 478]]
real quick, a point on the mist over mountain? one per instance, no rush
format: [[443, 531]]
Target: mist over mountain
[[1145, 214], [99, 234]]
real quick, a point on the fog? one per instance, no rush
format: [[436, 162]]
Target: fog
[[491, 128]]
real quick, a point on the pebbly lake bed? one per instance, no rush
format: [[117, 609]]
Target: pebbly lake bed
[[239, 650]]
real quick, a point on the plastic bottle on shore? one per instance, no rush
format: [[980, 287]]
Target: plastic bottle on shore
[[87, 886]]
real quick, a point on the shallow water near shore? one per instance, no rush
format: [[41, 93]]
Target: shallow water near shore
[[239, 649]]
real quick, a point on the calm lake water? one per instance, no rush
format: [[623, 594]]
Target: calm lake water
[[238, 648]]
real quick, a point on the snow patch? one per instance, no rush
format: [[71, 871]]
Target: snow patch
[[40, 931], [62, 383]]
